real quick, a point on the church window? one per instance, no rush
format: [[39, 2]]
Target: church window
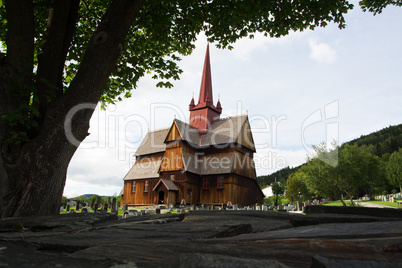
[[146, 186], [133, 186], [205, 183], [172, 177], [221, 181]]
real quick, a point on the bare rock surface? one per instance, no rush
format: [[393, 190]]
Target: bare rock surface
[[202, 239]]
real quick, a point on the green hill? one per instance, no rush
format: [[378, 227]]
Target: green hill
[[385, 141]]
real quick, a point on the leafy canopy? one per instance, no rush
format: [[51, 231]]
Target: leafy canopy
[[162, 32], [355, 167], [394, 169]]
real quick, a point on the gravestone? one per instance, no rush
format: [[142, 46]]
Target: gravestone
[[96, 208], [105, 207], [257, 208], [125, 207], [113, 209], [84, 210], [68, 208], [158, 211], [264, 207], [299, 205], [77, 206], [235, 207]]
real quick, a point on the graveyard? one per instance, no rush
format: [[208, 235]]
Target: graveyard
[[324, 236]]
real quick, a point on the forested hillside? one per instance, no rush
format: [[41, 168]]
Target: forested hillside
[[384, 142]]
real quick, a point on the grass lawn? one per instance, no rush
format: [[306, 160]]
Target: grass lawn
[[91, 211], [336, 203]]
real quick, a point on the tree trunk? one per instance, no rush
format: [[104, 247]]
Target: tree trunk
[[33, 174]]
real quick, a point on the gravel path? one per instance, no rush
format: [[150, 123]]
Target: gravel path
[[371, 205]]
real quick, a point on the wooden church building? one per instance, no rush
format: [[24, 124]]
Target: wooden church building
[[206, 161]]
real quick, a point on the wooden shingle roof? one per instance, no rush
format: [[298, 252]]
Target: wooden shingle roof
[[222, 132], [168, 183], [153, 142], [146, 168]]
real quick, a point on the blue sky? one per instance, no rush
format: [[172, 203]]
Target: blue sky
[[297, 90]]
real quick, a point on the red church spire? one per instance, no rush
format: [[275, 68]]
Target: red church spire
[[206, 81], [204, 113]]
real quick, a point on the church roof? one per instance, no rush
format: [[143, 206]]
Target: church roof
[[168, 183], [153, 142], [188, 133], [222, 132], [146, 168]]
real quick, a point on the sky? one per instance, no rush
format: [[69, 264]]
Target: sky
[[298, 91]]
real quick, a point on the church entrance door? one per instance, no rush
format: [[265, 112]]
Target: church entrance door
[[161, 197]]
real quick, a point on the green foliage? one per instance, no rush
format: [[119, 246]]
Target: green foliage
[[341, 171], [278, 189], [394, 169], [381, 143], [278, 199], [64, 199], [385, 141], [296, 188], [82, 198], [93, 198], [162, 32], [376, 6], [280, 175]]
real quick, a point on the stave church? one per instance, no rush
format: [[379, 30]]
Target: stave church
[[208, 160]]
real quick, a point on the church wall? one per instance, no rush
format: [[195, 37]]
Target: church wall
[[140, 197], [192, 185], [244, 165], [246, 191], [213, 195]]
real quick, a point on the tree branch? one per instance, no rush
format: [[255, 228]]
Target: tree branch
[[60, 29], [102, 53], [16, 68]]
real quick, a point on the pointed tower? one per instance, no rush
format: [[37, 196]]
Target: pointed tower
[[204, 113]]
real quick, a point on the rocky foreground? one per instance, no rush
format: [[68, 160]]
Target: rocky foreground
[[206, 239]]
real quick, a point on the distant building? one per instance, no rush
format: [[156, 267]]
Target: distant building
[[206, 161]]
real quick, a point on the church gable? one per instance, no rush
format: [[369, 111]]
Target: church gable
[[173, 134], [173, 158], [245, 137]]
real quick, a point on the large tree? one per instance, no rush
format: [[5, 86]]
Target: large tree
[[341, 171], [59, 58], [296, 188], [394, 169]]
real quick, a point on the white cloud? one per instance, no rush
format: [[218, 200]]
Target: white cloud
[[322, 52]]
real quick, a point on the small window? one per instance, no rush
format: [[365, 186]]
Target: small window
[[205, 183], [172, 177], [221, 181], [133, 186], [146, 186]]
